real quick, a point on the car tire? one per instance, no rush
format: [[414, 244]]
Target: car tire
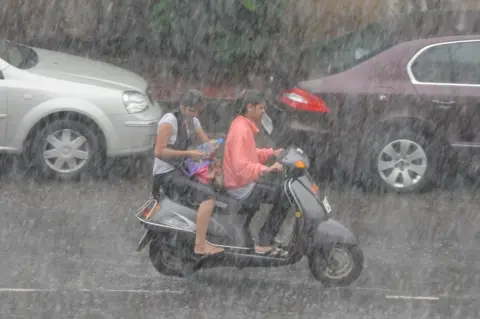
[[390, 170], [67, 149]]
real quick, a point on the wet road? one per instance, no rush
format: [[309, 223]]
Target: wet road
[[68, 251]]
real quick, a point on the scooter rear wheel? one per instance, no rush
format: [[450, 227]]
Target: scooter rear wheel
[[168, 259], [339, 266]]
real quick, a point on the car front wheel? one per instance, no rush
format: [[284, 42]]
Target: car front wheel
[[65, 149]]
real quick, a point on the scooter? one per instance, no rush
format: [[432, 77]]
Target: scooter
[[333, 252]]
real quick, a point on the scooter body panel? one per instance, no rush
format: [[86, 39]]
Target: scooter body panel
[[223, 229], [323, 231]]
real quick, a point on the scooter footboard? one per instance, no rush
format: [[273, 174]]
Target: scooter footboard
[[166, 214]]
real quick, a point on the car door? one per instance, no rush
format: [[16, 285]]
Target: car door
[[3, 111], [447, 78], [431, 73], [466, 79]]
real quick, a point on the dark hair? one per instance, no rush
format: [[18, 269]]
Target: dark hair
[[250, 96], [191, 98]]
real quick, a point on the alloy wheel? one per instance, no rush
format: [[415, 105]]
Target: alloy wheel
[[66, 151], [402, 163]]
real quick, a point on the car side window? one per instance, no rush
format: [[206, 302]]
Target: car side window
[[466, 65], [434, 65]]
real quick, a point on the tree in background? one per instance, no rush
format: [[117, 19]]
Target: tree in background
[[222, 35]]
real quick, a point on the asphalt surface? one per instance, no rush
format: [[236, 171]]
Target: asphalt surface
[[67, 250]]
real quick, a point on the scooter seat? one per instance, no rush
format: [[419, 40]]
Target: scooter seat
[[233, 204], [236, 206]]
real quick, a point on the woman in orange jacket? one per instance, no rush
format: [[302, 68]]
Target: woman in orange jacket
[[244, 164]]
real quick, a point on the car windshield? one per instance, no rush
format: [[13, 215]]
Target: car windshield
[[341, 53], [17, 55]]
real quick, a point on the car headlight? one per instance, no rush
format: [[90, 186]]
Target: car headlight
[[134, 102]]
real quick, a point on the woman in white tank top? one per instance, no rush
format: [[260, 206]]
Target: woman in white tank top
[[171, 147]]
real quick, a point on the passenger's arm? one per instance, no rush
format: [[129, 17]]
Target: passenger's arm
[[165, 130], [200, 132]]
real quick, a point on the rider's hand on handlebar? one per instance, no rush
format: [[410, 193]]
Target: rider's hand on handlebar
[[277, 167], [277, 152]]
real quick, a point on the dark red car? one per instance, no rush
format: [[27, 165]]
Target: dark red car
[[394, 103]]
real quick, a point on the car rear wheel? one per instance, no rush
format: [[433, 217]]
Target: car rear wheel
[[403, 161], [66, 149]]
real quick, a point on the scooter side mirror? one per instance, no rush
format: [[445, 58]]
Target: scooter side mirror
[[267, 124]]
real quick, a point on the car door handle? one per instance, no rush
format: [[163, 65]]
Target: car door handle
[[443, 102]]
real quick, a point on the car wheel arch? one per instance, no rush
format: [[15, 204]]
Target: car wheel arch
[[405, 123], [396, 123], [61, 115], [58, 109]]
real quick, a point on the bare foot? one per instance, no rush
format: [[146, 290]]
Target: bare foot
[[203, 249]]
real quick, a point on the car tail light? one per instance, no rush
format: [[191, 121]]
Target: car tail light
[[302, 100]]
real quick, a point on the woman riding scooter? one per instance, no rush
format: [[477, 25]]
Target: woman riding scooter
[[171, 147], [244, 164]]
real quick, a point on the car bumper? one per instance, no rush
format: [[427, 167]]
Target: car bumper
[[134, 134], [134, 138]]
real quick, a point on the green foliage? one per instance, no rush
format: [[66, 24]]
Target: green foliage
[[224, 31], [249, 4]]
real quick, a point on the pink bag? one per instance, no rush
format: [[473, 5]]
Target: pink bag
[[203, 175], [194, 167], [206, 171]]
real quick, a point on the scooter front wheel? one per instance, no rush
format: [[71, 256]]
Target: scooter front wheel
[[339, 266], [168, 259]]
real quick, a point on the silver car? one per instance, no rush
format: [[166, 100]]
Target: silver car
[[67, 114]]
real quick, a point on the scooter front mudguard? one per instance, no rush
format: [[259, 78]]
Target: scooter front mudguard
[[331, 232]]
